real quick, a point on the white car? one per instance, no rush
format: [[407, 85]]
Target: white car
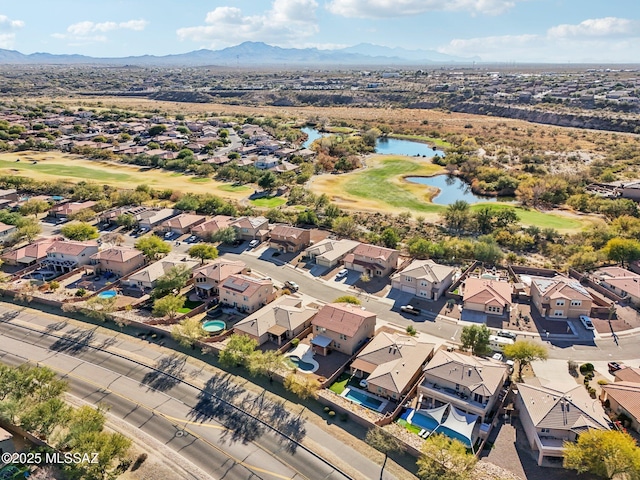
[[342, 274], [253, 243], [586, 322], [168, 235]]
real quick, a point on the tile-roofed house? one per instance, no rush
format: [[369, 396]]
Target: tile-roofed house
[[147, 277], [207, 278], [624, 398], [251, 228], [424, 278], [471, 384], [620, 281], [211, 226], [151, 218], [65, 209], [111, 216], [627, 374], [492, 297], [30, 254], [66, 255], [6, 231], [373, 260], [551, 415], [182, 223], [560, 297], [342, 327], [119, 260], [289, 239], [279, 321], [391, 363], [247, 294], [329, 252]]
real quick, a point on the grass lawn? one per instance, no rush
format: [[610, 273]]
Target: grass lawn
[[339, 129], [55, 166], [438, 142], [228, 187], [191, 304], [339, 385], [408, 426], [539, 219], [269, 202]]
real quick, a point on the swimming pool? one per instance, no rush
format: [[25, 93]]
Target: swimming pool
[[108, 294], [431, 425], [424, 421], [301, 364], [214, 326], [362, 398]]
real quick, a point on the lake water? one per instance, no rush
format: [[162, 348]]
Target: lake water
[[385, 146], [452, 189]]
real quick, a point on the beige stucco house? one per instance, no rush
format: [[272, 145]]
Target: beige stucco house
[[66, 255], [620, 281], [289, 239], [492, 297], [373, 260], [425, 279], [247, 294], [560, 297], [251, 228], [329, 253], [207, 278], [183, 223], [119, 260], [342, 327]]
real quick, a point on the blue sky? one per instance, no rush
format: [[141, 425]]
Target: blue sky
[[495, 30]]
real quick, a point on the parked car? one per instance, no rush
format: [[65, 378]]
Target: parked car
[[498, 356], [505, 334], [168, 235], [342, 274], [410, 309], [254, 243], [293, 286], [615, 366], [586, 321], [192, 239]]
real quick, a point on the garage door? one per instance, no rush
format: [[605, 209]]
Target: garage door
[[408, 289]]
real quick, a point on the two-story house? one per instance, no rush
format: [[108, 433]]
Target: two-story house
[[551, 416], [211, 226], [67, 255], [118, 260], [146, 278], [329, 252], [620, 281], [492, 297], [391, 363], [424, 278], [471, 384], [35, 252], [207, 278], [247, 294], [342, 327], [560, 297], [251, 228], [6, 231], [281, 320], [151, 218], [182, 223], [289, 239], [372, 260]]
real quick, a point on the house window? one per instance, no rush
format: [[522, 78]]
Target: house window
[[379, 390], [245, 298], [423, 283], [560, 303], [457, 387], [378, 272], [558, 313], [343, 337], [408, 279], [576, 303], [544, 430]]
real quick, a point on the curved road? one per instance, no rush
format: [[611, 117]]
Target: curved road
[[172, 412]]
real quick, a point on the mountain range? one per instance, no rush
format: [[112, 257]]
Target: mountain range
[[252, 54]]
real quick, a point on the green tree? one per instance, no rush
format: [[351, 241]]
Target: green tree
[[347, 299], [304, 387], [80, 231], [111, 448], [484, 217], [622, 250], [152, 246], [29, 231], [346, 227], [226, 235], [237, 351], [126, 220], [157, 130], [173, 281], [168, 306], [34, 207], [384, 442], [188, 332], [267, 181], [487, 250], [606, 453], [203, 252], [390, 237], [476, 339], [525, 352], [265, 363], [99, 308], [45, 416], [457, 215], [444, 458]]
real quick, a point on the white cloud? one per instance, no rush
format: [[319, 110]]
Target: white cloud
[[7, 31], [399, 8], [596, 27], [85, 32], [284, 24], [611, 40]]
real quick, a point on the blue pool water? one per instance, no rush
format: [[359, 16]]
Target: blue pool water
[[363, 399], [214, 326], [108, 294], [301, 364], [430, 424], [424, 421]]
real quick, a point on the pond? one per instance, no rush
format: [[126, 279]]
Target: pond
[[385, 146], [453, 189]]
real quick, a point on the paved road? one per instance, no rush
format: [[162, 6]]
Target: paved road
[[169, 409]]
